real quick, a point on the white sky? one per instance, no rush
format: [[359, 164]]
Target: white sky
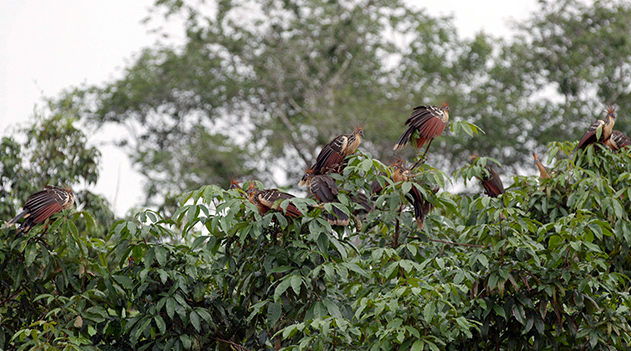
[[49, 46]]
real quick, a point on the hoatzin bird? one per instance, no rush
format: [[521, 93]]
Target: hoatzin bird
[[543, 172], [618, 141], [400, 173], [264, 200], [605, 127], [325, 190], [332, 155], [363, 200], [492, 182], [429, 121], [43, 204]]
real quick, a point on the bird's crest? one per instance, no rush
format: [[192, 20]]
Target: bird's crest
[[398, 162], [234, 184], [535, 156], [251, 186], [610, 110]]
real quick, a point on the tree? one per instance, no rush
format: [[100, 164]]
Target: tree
[[280, 85], [50, 150], [545, 265]]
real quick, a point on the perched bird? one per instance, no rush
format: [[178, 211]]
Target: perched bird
[[543, 172], [43, 204], [429, 121], [331, 157], [363, 200], [325, 190], [618, 141], [264, 200], [491, 182], [400, 173], [605, 127]]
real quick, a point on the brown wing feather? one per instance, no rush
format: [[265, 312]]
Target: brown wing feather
[[325, 190], [331, 154], [47, 212], [618, 140], [493, 183], [430, 121], [41, 205], [590, 136], [270, 196]]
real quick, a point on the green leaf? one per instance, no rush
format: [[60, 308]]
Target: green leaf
[[170, 305], [296, 282], [332, 308], [30, 253], [160, 324], [274, 310], [195, 321], [282, 287], [126, 282]]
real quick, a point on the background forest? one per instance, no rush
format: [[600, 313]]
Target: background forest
[[254, 92]]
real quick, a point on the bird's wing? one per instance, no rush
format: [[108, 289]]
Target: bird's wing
[[269, 197], [324, 188], [361, 199], [493, 184], [45, 203], [620, 139], [428, 120], [331, 154], [590, 136]]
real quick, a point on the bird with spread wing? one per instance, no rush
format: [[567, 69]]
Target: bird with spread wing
[[43, 204], [430, 121]]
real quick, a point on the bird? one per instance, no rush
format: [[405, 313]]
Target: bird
[[265, 200], [41, 205], [543, 172], [332, 155], [400, 173], [605, 127], [429, 120], [618, 140], [325, 190], [491, 182], [367, 206]]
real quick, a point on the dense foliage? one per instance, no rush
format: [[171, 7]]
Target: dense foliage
[[545, 266]]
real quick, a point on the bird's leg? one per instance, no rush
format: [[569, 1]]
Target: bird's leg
[[422, 158]]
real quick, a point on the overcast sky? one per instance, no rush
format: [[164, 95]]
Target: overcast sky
[[48, 46]]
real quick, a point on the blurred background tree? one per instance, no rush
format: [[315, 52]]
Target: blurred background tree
[[259, 94], [51, 150]]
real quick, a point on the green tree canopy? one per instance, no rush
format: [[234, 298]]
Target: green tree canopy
[[544, 266]]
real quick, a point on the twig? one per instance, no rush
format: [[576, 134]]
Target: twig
[[451, 243], [231, 343]]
